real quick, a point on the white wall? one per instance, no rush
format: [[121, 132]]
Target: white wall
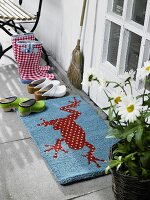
[[58, 28]]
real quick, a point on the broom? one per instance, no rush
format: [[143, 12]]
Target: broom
[[75, 69]]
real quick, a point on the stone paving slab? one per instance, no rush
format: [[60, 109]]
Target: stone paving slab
[[99, 195], [10, 128], [23, 172], [25, 176]]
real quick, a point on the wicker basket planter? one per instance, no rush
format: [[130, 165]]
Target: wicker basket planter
[[128, 187]]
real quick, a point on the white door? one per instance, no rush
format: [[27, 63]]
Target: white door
[[121, 41]]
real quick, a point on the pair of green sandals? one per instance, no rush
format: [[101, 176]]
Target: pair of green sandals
[[23, 105]]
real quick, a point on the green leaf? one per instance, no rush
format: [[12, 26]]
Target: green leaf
[[128, 80], [106, 108], [113, 125], [114, 163], [132, 172], [145, 159], [110, 99], [107, 84], [130, 156], [146, 103], [129, 133], [107, 170], [123, 149], [145, 172], [110, 114], [114, 133], [129, 137], [138, 137], [147, 115]]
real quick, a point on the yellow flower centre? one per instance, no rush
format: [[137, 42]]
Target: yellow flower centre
[[117, 99], [147, 68], [130, 108]]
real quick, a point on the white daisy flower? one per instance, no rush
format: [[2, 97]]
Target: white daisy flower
[[117, 96], [127, 75], [129, 109], [102, 81], [88, 77], [144, 71]]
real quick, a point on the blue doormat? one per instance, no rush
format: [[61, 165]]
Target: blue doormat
[[71, 138]]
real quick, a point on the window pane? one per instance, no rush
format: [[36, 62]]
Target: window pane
[[113, 43], [118, 6], [146, 57], [148, 84], [133, 51], [139, 8]]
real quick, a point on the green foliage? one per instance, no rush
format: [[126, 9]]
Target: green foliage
[[131, 155]]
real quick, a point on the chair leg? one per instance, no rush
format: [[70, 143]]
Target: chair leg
[[1, 48], [4, 51], [46, 56], [20, 2]]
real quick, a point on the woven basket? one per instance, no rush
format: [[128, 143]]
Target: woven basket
[[128, 187]]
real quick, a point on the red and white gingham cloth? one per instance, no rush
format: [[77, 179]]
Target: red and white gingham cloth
[[25, 36], [29, 62]]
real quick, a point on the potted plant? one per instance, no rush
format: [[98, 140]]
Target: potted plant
[[128, 116]]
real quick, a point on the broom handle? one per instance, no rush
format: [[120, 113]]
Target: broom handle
[[83, 12], [82, 19]]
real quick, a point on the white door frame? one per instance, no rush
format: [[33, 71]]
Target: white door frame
[[100, 39]]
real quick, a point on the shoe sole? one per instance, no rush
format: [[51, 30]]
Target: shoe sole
[[31, 89], [28, 113]]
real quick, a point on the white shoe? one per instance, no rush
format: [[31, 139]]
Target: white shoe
[[40, 83], [50, 91]]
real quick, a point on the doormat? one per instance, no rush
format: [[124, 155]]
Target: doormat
[[70, 136]]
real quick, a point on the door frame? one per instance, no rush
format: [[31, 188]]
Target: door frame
[[98, 63]]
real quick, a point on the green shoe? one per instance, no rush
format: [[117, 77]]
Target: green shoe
[[29, 106], [10, 103]]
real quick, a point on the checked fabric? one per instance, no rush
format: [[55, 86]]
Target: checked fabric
[[28, 57], [20, 37]]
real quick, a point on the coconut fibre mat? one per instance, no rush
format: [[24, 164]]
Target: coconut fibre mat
[[71, 138]]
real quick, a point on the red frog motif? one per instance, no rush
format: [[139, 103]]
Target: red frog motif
[[71, 133]]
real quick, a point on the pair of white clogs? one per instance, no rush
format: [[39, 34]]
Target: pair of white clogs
[[45, 89]]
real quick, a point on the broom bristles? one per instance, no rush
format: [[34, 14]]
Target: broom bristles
[[74, 75], [74, 72]]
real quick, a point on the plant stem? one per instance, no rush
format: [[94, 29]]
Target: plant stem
[[144, 90], [130, 87], [119, 86]]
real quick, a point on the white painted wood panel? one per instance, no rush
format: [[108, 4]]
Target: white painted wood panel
[[58, 27], [88, 46], [99, 42], [128, 26]]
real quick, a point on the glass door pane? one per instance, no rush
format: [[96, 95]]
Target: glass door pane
[[133, 51], [113, 43], [118, 6], [139, 9]]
